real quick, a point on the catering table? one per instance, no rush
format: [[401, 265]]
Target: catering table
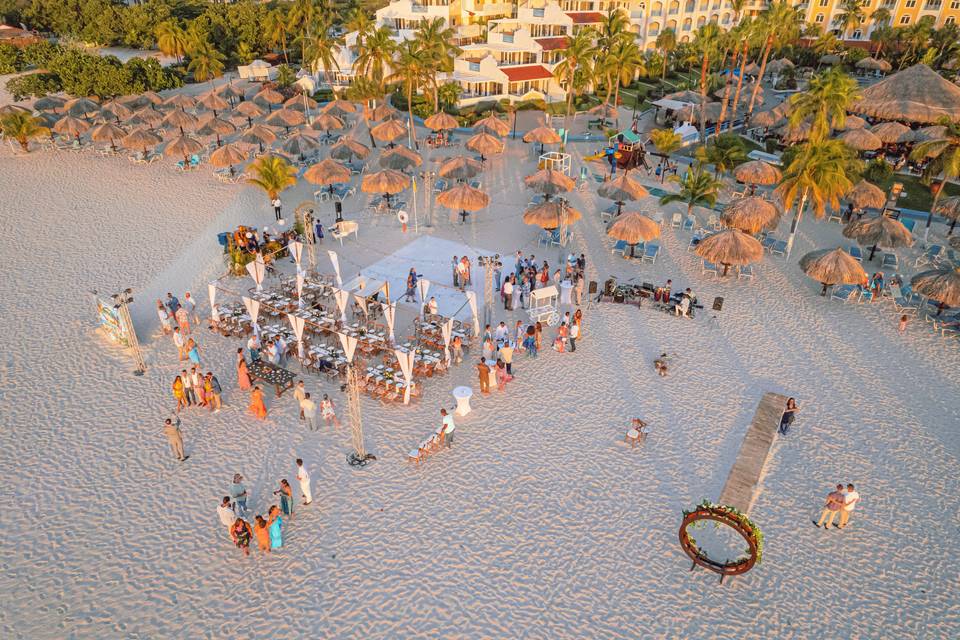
[[280, 378], [462, 396]]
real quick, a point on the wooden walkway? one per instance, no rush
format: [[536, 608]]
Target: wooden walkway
[[741, 487]]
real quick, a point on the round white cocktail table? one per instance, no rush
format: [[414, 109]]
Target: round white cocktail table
[[565, 288], [462, 396]]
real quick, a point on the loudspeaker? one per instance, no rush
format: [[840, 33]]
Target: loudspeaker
[[718, 303], [592, 287], [338, 207]]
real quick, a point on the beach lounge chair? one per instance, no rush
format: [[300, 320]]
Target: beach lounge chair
[[855, 252], [745, 272], [687, 224], [439, 185], [904, 300], [650, 252], [931, 256], [890, 262], [767, 242], [710, 269], [475, 184], [713, 222], [834, 216], [779, 246], [694, 240], [676, 221], [343, 229], [620, 247], [909, 223], [543, 238], [844, 293]]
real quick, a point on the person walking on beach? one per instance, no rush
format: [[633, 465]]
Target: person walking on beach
[[225, 513], [180, 393], [191, 307], [447, 426], [850, 500], [172, 304], [457, 344], [238, 493], [171, 429], [327, 412], [788, 416], [484, 371], [286, 497], [831, 508], [257, 407], [308, 409], [213, 391], [277, 208], [411, 293], [506, 354], [304, 479], [243, 376], [902, 325], [164, 316], [180, 344], [299, 393], [262, 533], [241, 533], [274, 524]]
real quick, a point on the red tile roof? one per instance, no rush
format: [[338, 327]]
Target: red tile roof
[[585, 17], [529, 72], [551, 44]]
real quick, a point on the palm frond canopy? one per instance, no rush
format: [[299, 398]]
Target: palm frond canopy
[[216, 126], [384, 111], [861, 139], [348, 148], [249, 109], [865, 194], [633, 227], [730, 247], [463, 197], [180, 119], [140, 139], [543, 135], [268, 96], [183, 146], [603, 110], [549, 182], [550, 215], [49, 103], [388, 131], [942, 285], [882, 231], [441, 121], [327, 122], [258, 134], [180, 101], [892, 132], [385, 181], [484, 144], [400, 158], [116, 110], [326, 172], [917, 94], [213, 101], [460, 168], [107, 132], [798, 133], [684, 96], [285, 118], [752, 214], [833, 266], [300, 144], [854, 122], [228, 155], [623, 189], [81, 107], [492, 125], [948, 208], [301, 102], [146, 116], [68, 125], [339, 108], [757, 172]]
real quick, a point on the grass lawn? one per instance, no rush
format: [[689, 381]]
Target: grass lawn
[[918, 195]]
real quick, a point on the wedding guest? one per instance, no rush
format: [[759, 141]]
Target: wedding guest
[[241, 534], [262, 533], [243, 376], [191, 308], [183, 319], [327, 411], [257, 407], [171, 429], [274, 523], [213, 391], [193, 351], [238, 493], [179, 393], [308, 409], [188, 390], [164, 316], [298, 394], [286, 497], [180, 344]]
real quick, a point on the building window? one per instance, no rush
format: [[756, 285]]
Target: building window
[[949, 20], [905, 20], [955, 5], [857, 35], [508, 37], [824, 3], [538, 13], [819, 18], [474, 66], [911, 4]]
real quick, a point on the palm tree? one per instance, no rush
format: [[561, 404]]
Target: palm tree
[[576, 65], [612, 28], [749, 30], [825, 102], [375, 54], [943, 156], [882, 31], [666, 43], [619, 67], [724, 152], [361, 22], [707, 43], [274, 174], [206, 62], [22, 126], [322, 49], [171, 39], [365, 90], [411, 68], [733, 40], [449, 94], [275, 26], [820, 172], [697, 189], [849, 17], [916, 37], [301, 18], [286, 76], [945, 42], [781, 22], [435, 39]]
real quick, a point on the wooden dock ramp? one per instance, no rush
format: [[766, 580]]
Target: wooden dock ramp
[[743, 482]]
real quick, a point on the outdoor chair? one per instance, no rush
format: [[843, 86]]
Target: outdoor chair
[[835, 217], [890, 262], [620, 247], [931, 256], [439, 186], [844, 293], [475, 184], [710, 268], [855, 252], [687, 224], [779, 247], [713, 222], [909, 223], [650, 253], [676, 221], [767, 242], [745, 272]]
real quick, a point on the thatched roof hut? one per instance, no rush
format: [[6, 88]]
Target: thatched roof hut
[[917, 94]]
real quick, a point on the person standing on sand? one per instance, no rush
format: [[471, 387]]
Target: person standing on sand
[[172, 303], [183, 320], [191, 308], [193, 351], [538, 335], [574, 334], [180, 344], [328, 413], [225, 513], [457, 344], [257, 407], [902, 325], [243, 377], [171, 429], [788, 416], [506, 354], [286, 497], [447, 426], [197, 384], [298, 394], [304, 479], [411, 292], [214, 391], [832, 508], [262, 533], [179, 393], [164, 316], [308, 409], [484, 371], [456, 269], [277, 208], [274, 524], [238, 493], [502, 376], [241, 534], [850, 500]]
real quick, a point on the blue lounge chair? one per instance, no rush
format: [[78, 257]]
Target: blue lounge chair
[[745, 272], [543, 238], [779, 246], [439, 185], [909, 223], [855, 252], [650, 253], [710, 268], [476, 184], [687, 224], [844, 293], [890, 262], [694, 241], [620, 247], [931, 256], [767, 242], [904, 300]]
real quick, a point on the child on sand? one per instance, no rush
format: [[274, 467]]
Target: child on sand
[[660, 364], [903, 324]]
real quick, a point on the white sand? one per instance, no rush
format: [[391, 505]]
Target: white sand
[[539, 523]]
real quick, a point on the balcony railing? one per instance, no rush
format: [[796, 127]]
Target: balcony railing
[[418, 8], [932, 6]]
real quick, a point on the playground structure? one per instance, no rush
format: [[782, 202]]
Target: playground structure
[[555, 161]]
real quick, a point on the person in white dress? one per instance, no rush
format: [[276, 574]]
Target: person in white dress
[[327, 411], [304, 479]]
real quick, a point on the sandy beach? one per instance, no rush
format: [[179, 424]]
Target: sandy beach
[[539, 523]]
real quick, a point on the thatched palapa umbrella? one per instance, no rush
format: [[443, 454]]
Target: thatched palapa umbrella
[[326, 122], [107, 132], [147, 99], [339, 108], [622, 189], [492, 125], [925, 134], [70, 126], [798, 133], [949, 208], [605, 111], [300, 144], [348, 148], [872, 64], [865, 195], [484, 144], [216, 127], [227, 156], [892, 132], [684, 96], [549, 182], [384, 111], [768, 119], [146, 116], [460, 168], [116, 110], [230, 92], [833, 266], [301, 102], [268, 97], [181, 120], [692, 112], [183, 146], [942, 285], [249, 110], [543, 135], [882, 231], [854, 122], [49, 103], [285, 118], [386, 181], [82, 107], [463, 198], [757, 172], [730, 247], [180, 101], [400, 158], [259, 135], [213, 101], [441, 121], [917, 94], [141, 139], [861, 140], [779, 66], [327, 173], [752, 214], [830, 58], [388, 131], [555, 214], [633, 228]]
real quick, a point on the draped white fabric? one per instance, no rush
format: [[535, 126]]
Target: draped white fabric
[[389, 313], [361, 301], [296, 252], [424, 286], [447, 330], [472, 299], [257, 269], [335, 260], [300, 280], [212, 292], [296, 324], [342, 297], [253, 308], [405, 358], [349, 344]]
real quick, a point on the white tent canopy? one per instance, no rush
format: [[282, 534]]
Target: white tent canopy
[[296, 323], [405, 358], [335, 261], [253, 308], [212, 292], [389, 315]]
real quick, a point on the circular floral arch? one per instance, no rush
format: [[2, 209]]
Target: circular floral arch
[[730, 517]]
